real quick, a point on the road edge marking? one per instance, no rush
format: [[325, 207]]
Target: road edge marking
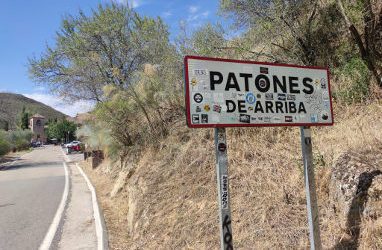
[[45, 245], [65, 155], [100, 227]]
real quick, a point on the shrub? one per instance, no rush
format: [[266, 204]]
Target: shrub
[[5, 147], [98, 137], [353, 81], [19, 139]]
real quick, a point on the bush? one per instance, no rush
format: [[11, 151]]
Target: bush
[[19, 139], [98, 137], [5, 147], [353, 82]]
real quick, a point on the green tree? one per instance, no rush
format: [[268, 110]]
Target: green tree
[[209, 40], [62, 130], [109, 48], [24, 119], [104, 48], [363, 19], [206, 40], [286, 31]]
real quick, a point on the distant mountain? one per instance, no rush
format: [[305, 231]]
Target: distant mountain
[[11, 106]]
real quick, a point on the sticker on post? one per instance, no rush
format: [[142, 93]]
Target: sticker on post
[[224, 191]]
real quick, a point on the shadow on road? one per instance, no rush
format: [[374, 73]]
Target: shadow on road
[[31, 165], [6, 159]]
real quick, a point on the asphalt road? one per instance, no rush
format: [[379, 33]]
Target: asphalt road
[[30, 192]]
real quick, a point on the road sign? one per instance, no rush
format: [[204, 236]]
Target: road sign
[[230, 93], [233, 93]]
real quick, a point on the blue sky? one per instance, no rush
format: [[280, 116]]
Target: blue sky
[[27, 26]]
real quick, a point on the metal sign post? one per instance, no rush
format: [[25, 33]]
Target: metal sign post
[[310, 187], [223, 189]]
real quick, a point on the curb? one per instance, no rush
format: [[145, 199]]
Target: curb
[[59, 215], [101, 230]]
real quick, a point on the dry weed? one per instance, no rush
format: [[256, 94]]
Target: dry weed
[[173, 196]]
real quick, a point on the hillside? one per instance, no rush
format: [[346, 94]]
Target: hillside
[[166, 199], [12, 104]]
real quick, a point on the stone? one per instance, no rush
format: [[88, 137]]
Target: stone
[[355, 191], [373, 207], [119, 184]]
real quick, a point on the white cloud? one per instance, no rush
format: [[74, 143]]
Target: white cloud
[[39, 89], [120, 1], [132, 3], [195, 15], [166, 14], [71, 109], [195, 18], [136, 3], [205, 14], [193, 9]]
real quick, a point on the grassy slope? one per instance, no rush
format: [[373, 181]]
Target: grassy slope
[[170, 202], [12, 105]]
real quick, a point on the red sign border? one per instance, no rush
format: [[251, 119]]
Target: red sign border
[[187, 95]]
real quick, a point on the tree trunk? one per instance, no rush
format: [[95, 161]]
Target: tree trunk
[[142, 108], [163, 127], [362, 46]]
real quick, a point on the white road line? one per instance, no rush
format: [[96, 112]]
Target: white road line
[[45, 245], [96, 212], [65, 156]]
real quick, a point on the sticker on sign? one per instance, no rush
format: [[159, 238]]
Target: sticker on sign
[[245, 93]]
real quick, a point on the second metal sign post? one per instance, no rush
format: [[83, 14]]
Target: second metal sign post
[[310, 189], [223, 189]]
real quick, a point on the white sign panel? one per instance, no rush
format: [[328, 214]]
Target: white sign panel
[[232, 93]]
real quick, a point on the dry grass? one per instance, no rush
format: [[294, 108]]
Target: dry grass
[[170, 202], [371, 234]]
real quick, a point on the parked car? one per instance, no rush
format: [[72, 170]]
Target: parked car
[[73, 143], [74, 146], [53, 141], [35, 144]]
